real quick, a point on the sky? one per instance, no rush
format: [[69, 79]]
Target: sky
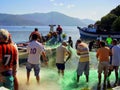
[[83, 9]]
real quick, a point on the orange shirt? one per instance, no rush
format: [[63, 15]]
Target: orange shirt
[[8, 56], [103, 54]]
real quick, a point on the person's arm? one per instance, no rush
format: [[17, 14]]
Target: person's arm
[[97, 54], [15, 62], [69, 56], [44, 57]]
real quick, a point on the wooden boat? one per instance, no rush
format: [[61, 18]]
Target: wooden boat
[[90, 33]]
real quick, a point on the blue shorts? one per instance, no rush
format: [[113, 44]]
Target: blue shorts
[[60, 66], [9, 82], [36, 68]]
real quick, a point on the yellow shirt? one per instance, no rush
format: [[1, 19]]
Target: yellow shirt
[[83, 51]]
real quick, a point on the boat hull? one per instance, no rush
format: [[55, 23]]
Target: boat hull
[[93, 35]]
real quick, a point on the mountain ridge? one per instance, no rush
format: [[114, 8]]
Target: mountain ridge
[[42, 19]]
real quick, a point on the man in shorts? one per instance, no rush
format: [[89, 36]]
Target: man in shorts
[[102, 55], [115, 63], [35, 49], [8, 61], [83, 65], [60, 56]]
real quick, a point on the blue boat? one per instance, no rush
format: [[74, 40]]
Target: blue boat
[[90, 33]]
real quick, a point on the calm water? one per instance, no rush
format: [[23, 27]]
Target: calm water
[[21, 33]]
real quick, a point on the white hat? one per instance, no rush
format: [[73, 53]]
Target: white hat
[[4, 35]]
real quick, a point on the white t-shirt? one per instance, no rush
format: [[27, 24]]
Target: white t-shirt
[[60, 54], [34, 50], [116, 55]]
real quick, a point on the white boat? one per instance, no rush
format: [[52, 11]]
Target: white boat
[[90, 33]]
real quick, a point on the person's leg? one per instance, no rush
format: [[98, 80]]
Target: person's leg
[[116, 75], [28, 67], [80, 70], [38, 79], [78, 76], [58, 72], [100, 69], [105, 68], [105, 77], [108, 80], [58, 67], [36, 72], [86, 71], [87, 78], [16, 85], [109, 73], [99, 78], [62, 71], [28, 76]]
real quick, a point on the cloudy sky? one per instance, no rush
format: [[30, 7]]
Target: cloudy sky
[[91, 9]]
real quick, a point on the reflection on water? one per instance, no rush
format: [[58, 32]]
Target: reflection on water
[[50, 80]]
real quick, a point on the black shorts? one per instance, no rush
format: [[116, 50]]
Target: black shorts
[[60, 66]]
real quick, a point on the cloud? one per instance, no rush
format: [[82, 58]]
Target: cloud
[[58, 4], [52, 0], [70, 6]]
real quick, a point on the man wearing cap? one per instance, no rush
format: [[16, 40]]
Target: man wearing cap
[[8, 61], [60, 56]]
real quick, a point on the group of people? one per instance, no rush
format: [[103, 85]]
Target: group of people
[[108, 58], [9, 57], [52, 37], [96, 43]]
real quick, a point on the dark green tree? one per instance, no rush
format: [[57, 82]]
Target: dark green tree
[[116, 25], [116, 11], [107, 21], [98, 27]]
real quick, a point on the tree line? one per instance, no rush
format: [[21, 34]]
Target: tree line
[[109, 22]]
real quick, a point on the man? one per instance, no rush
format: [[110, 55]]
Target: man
[[10, 41], [115, 63], [34, 49], [52, 28], [70, 41], [60, 56], [59, 32], [8, 61], [102, 55], [37, 33], [83, 65], [109, 40]]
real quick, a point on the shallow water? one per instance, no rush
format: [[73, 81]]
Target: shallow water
[[50, 80]]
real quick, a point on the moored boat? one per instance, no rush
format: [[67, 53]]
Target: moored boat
[[90, 33]]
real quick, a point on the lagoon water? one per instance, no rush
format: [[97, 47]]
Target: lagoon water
[[21, 33], [50, 80]]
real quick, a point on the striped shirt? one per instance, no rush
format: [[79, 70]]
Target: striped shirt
[[8, 56], [83, 51]]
